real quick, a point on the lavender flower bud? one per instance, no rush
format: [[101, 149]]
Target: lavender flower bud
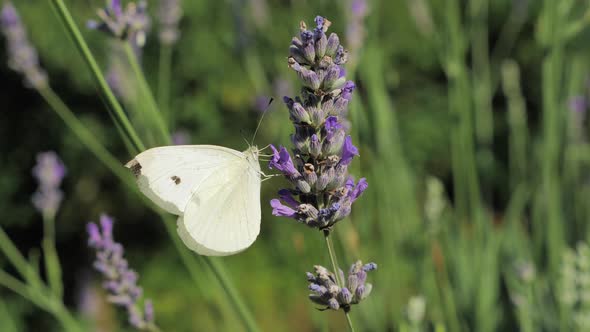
[[321, 45], [309, 52], [307, 212], [332, 45], [309, 174], [340, 106], [301, 143], [333, 145], [353, 282], [333, 304], [325, 178], [320, 290], [359, 292], [332, 76], [296, 53], [297, 111], [338, 179], [345, 296], [302, 185], [315, 146], [316, 114]]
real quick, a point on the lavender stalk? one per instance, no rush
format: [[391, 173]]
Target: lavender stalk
[[169, 15], [322, 192], [22, 56], [49, 173], [119, 280]]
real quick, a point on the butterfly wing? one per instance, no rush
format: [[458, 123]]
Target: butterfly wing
[[169, 175], [223, 215]]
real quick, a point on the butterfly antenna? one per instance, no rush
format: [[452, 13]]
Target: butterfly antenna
[[260, 121], [244, 138]]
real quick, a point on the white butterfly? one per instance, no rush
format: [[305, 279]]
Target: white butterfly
[[214, 190]]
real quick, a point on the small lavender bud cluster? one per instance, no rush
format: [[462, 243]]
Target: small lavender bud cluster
[[49, 172], [119, 280], [326, 291], [131, 24], [22, 56], [169, 15], [323, 191]]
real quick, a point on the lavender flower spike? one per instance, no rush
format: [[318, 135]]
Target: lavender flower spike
[[22, 56], [169, 14], [119, 280], [322, 149], [49, 172], [327, 293]]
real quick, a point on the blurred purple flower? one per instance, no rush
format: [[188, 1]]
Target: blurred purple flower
[[169, 15], [49, 172], [181, 137], [578, 104], [355, 31], [22, 56], [261, 103], [322, 149], [130, 24], [119, 280]]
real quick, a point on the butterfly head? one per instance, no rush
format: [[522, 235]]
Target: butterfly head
[[252, 153]]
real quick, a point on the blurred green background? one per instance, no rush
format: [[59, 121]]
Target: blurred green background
[[477, 206]]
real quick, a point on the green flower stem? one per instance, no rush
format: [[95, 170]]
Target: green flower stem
[[114, 105], [18, 261], [26, 291], [552, 77], [339, 281], [42, 298], [164, 79], [350, 326], [333, 258], [86, 137], [240, 307], [52, 264], [146, 92]]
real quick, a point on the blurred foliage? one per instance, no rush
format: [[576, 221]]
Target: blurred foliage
[[423, 119]]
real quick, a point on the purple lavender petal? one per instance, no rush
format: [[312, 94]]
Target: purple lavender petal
[[286, 196], [280, 210], [281, 160], [348, 151], [361, 186], [347, 90], [94, 237]]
